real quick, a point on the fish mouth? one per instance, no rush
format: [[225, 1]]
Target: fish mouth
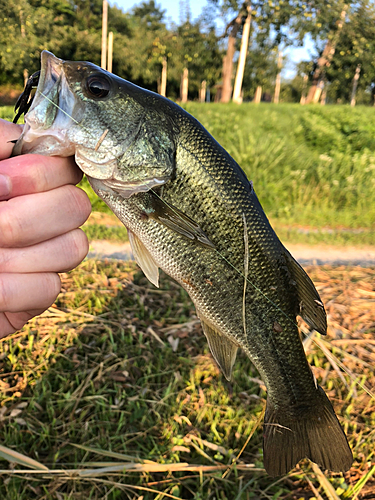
[[55, 126], [50, 114]]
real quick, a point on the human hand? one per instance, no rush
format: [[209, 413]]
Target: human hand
[[40, 212]]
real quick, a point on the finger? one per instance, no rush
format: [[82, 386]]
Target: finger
[[24, 292], [59, 254], [28, 174], [30, 219], [8, 132], [11, 322]]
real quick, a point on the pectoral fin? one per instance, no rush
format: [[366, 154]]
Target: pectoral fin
[[144, 259], [223, 350], [175, 219]]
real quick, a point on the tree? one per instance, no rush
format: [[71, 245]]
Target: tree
[[276, 22], [326, 58], [260, 70], [355, 47], [232, 30], [242, 57]]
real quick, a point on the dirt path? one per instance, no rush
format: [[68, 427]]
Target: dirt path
[[306, 255]]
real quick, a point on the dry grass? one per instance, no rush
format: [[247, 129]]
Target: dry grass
[[113, 394]]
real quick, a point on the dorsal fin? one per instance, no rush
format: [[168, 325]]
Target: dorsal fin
[[223, 350], [310, 305]]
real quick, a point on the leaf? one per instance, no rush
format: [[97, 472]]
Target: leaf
[[107, 453], [326, 485], [15, 457], [361, 483]]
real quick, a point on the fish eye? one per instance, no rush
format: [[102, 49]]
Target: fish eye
[[98, 86]]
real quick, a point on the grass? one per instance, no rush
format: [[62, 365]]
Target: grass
[[114, 391], [7, 113], [312, 166], [103, 226], [340, 237]]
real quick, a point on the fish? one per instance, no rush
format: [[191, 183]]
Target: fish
[[191, 211]]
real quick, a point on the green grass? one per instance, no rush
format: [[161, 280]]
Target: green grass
[[118, 373], [7, 113], [325, 236], [102, 232], [310, 165], [309, 236]]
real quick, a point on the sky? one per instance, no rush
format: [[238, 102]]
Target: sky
[[172, 8]]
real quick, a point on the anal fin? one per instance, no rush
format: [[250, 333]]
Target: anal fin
[[223, 350], [144, 259]]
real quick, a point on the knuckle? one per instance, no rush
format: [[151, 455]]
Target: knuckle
[[4, 294], [5, 260], [52, 287], [80, 203], [9, 226], [43, 175], [77, 247]]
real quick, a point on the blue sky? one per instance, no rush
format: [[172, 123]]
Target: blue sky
[[172, 11], [172, 7]]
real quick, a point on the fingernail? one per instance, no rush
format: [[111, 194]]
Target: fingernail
[[5, 186]]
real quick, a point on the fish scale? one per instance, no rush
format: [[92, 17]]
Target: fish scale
[[189, 210]]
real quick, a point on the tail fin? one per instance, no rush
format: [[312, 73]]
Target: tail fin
[[315, 434]]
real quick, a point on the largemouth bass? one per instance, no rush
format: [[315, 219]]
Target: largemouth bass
[[191, 211]]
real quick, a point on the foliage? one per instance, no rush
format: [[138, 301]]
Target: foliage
[[141, 41], [355, 46], [261, 69], [309, 165]]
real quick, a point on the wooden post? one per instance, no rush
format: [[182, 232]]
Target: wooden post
[[104, 34], [276, 97], [303, 94], [202, 92], [258, 95], [318, 92], [237, 97], [355, 84], [185, 85], [110, 51], [324, 96], [25, 76], [163, 84]]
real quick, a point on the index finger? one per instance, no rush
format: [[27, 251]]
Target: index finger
[[8, 132], [32, 173]]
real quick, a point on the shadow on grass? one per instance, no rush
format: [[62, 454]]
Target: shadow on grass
[[119, 365], [123, 368]]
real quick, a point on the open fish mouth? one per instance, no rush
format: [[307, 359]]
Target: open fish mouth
[[49, 113], [60, 121]]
